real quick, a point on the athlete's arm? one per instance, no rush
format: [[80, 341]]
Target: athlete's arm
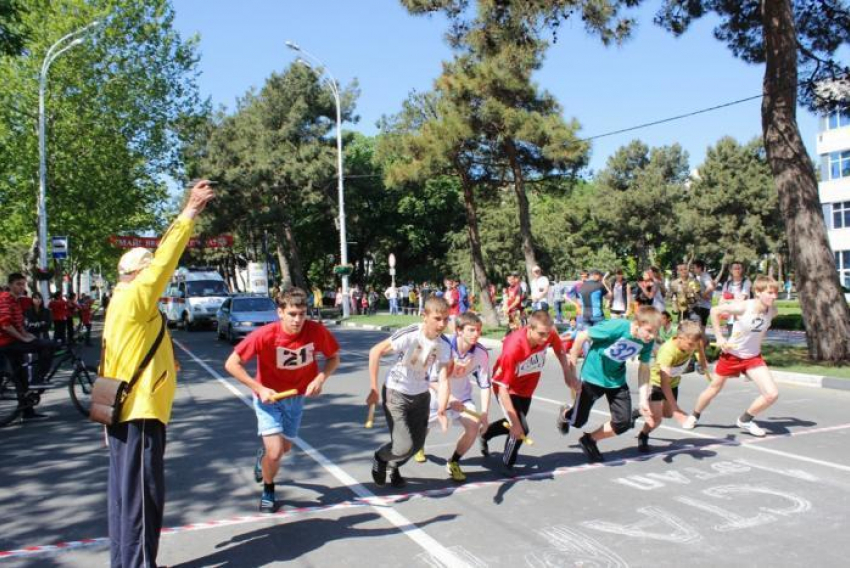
[[703, 360], [375, 355], [516, 430], [485, 406], [576, 350], [732, 308], [443, 397], [569, 372], [643, 386], [668, 392], [237, 370], [315, 386]]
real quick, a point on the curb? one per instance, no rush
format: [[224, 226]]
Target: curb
[[800, 379]]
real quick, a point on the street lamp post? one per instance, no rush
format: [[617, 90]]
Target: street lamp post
[[343, 243], [52, 54]]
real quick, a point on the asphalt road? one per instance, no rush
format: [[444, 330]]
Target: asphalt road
[[707, 497]]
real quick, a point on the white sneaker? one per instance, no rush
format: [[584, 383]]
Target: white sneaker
[[690, 422], [752, 428]]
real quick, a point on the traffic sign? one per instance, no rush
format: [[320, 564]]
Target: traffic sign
[[59, 247]]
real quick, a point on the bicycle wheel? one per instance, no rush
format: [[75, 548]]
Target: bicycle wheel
[[8, 399], [80, 387]]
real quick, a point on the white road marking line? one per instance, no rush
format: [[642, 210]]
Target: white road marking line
[[747, 443], [407, 527]]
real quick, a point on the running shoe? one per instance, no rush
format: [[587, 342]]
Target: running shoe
[[379, 471], [690, 422], [396, 479], [752, 428], [419, 457], [591, 451], [258, 465], [562, 423], [454, 470], [484, 446], [643, 443], [267, 503]]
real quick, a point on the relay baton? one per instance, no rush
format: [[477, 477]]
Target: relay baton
[[285, 394], [471, 413], [525, 439], [370, 418]]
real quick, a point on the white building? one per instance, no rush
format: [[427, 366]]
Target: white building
[[833, 148]]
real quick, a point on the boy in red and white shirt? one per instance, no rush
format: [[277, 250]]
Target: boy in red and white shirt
[[515, 378], [741, 352], [286, 359]]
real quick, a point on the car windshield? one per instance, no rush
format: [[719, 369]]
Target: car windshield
[[253, 305], [200, 288]]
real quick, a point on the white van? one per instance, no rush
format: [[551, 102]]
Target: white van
[[193, 297]]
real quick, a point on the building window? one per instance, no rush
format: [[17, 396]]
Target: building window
[[840, 215], [842, 262], [838, 119], [839, 164]]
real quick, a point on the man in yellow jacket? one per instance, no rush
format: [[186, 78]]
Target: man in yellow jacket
[[137, 441]]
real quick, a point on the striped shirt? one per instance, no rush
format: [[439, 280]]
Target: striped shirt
[[10, 314]]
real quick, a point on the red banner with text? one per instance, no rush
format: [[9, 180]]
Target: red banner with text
[[131, 241]]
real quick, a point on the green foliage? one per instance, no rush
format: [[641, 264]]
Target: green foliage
[[114, 108], [732, 210]]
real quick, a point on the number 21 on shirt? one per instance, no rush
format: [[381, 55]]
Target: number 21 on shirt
[[294, 358]]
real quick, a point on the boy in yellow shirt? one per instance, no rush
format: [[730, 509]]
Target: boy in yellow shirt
[[659, 399]]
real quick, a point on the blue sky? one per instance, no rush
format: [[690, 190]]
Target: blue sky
[[390, 53]]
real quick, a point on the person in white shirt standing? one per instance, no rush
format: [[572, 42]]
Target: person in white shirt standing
[[539, 290]]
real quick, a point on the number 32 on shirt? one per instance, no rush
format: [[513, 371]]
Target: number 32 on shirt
[[291, 359], [622, 350]]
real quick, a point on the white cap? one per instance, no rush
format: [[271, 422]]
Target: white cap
[[134, 260]]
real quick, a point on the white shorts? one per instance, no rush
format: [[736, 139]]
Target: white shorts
[[452, 415]]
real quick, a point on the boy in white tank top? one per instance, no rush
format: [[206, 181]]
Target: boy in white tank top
[[741, 352]]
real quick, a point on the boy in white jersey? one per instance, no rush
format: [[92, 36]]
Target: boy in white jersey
[[470, 360], [741, 353], [406, 396]]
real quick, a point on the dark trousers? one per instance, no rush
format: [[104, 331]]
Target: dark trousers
[[407, 418], [17, 354], [61, 330], [497, 428], [619, 403], [136, 492]]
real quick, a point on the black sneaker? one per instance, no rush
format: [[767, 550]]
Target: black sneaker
[[30, 414], [379, 471], [396, 479], [484, 446], [562, 423], [258, 465], [591, 452], [643, 443], [267, 503], [508, 470]]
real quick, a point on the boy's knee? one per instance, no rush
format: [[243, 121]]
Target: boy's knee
[[621, 426], [771, 397]]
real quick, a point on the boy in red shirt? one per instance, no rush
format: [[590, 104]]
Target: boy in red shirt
[[59, 310], [515, 378], [85, 309], [286, 359], [513, 301]]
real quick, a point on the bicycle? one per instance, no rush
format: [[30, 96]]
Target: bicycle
[[80, 384], [81, 381], [12, 400]]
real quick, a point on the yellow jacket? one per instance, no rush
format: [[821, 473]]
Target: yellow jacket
[[132, 324]]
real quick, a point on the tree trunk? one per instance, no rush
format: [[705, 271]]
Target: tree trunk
[[522, 206], [294, 256], [285, 274], [780, 267], [721, 273], [825, 311], [488, 311]]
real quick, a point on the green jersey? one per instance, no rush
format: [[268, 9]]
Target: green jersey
[[612, 345]]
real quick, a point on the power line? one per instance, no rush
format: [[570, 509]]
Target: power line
[[671, 119]]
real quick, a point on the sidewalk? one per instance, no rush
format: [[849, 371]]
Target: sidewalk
[[800, 379]]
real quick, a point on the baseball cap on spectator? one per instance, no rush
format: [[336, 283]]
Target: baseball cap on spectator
[[134, 260]]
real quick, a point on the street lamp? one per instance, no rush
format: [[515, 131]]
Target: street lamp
[[343, 243], [52, 54]]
